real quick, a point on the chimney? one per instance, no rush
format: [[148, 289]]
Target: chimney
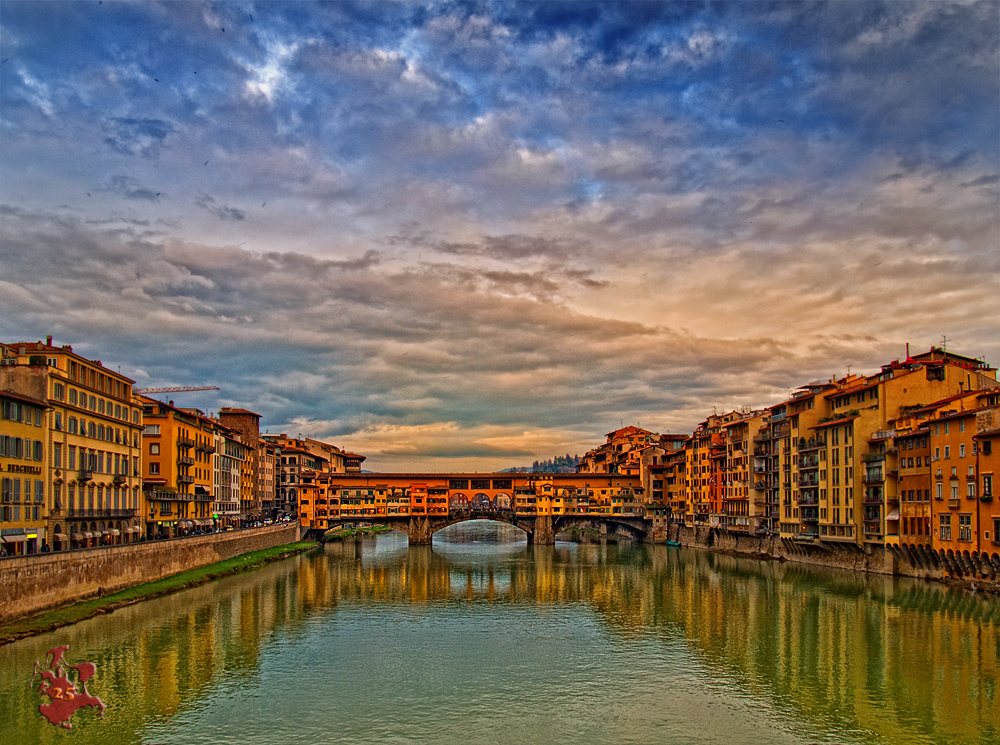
[[48, 340]]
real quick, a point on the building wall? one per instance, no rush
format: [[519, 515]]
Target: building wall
[[33, 583], [92, 442], [23, 471]]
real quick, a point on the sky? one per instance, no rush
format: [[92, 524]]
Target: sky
[[465, 236]]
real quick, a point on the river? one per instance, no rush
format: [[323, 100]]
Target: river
[[481, 638]]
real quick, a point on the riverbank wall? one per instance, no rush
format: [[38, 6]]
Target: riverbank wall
[[30, 584], [976, 571]]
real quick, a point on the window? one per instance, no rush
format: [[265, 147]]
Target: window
[[154, 469], [38, 448], [988, 487], [154, 448], [57, 455], [72, 396], [151, 429], [945, 527], [961, 450], [970, 490], [71, 464], [92, 403], [961, 426], [937, 453], [954, 491], [72, 425], [939, 493], [947, 452], [947, 427], [58, 391], [965, 527]]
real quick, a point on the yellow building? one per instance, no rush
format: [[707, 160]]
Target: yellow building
[[23, 470], [92, 449]]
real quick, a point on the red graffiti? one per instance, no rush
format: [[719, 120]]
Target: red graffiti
[[66, 697]]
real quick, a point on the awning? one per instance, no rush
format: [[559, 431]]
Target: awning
[[115, 531], [77, 536], [184, 524], [894, 515], [61, 537], [132, 530], [88, 535], [14, 538], [202, 521]]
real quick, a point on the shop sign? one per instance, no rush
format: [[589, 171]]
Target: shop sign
[[18, 468]]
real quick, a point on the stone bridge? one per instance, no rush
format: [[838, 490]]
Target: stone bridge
[[541, 529]]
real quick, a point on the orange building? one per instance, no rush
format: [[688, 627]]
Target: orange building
[[960, 519], [178, 445], [915, 487], [987, 446], [621, 453]]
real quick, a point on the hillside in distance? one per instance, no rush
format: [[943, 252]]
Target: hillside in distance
[[559, 464]]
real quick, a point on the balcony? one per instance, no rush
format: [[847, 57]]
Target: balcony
[[184, 442], [168, 496], [185, 460], [205, 447], [183, 479], [873, 477], [85, 474], [807, 482], [813, 443], [954, 504], [804, 501]]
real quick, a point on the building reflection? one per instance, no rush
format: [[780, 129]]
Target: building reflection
[[893, 658]]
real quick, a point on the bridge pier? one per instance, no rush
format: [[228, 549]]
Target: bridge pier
[[543, 534], [420, 531]]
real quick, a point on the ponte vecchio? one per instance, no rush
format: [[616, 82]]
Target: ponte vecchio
[[420, 504]]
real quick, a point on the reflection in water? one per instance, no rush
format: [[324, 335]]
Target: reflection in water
[[372, 640]]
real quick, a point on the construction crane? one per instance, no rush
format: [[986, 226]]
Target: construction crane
[[177, 389]]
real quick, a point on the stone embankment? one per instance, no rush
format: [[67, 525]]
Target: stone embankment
[[976, 572], [30, 584]]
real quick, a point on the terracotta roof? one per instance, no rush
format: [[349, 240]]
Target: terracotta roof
[[228, 410], [841, 420], [24, 399]]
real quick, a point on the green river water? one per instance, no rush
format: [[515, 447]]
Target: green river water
[[481, 638]]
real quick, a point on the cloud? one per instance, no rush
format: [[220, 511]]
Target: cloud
[[130, 188], [137, 136], [223, 212], [459, 223]]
